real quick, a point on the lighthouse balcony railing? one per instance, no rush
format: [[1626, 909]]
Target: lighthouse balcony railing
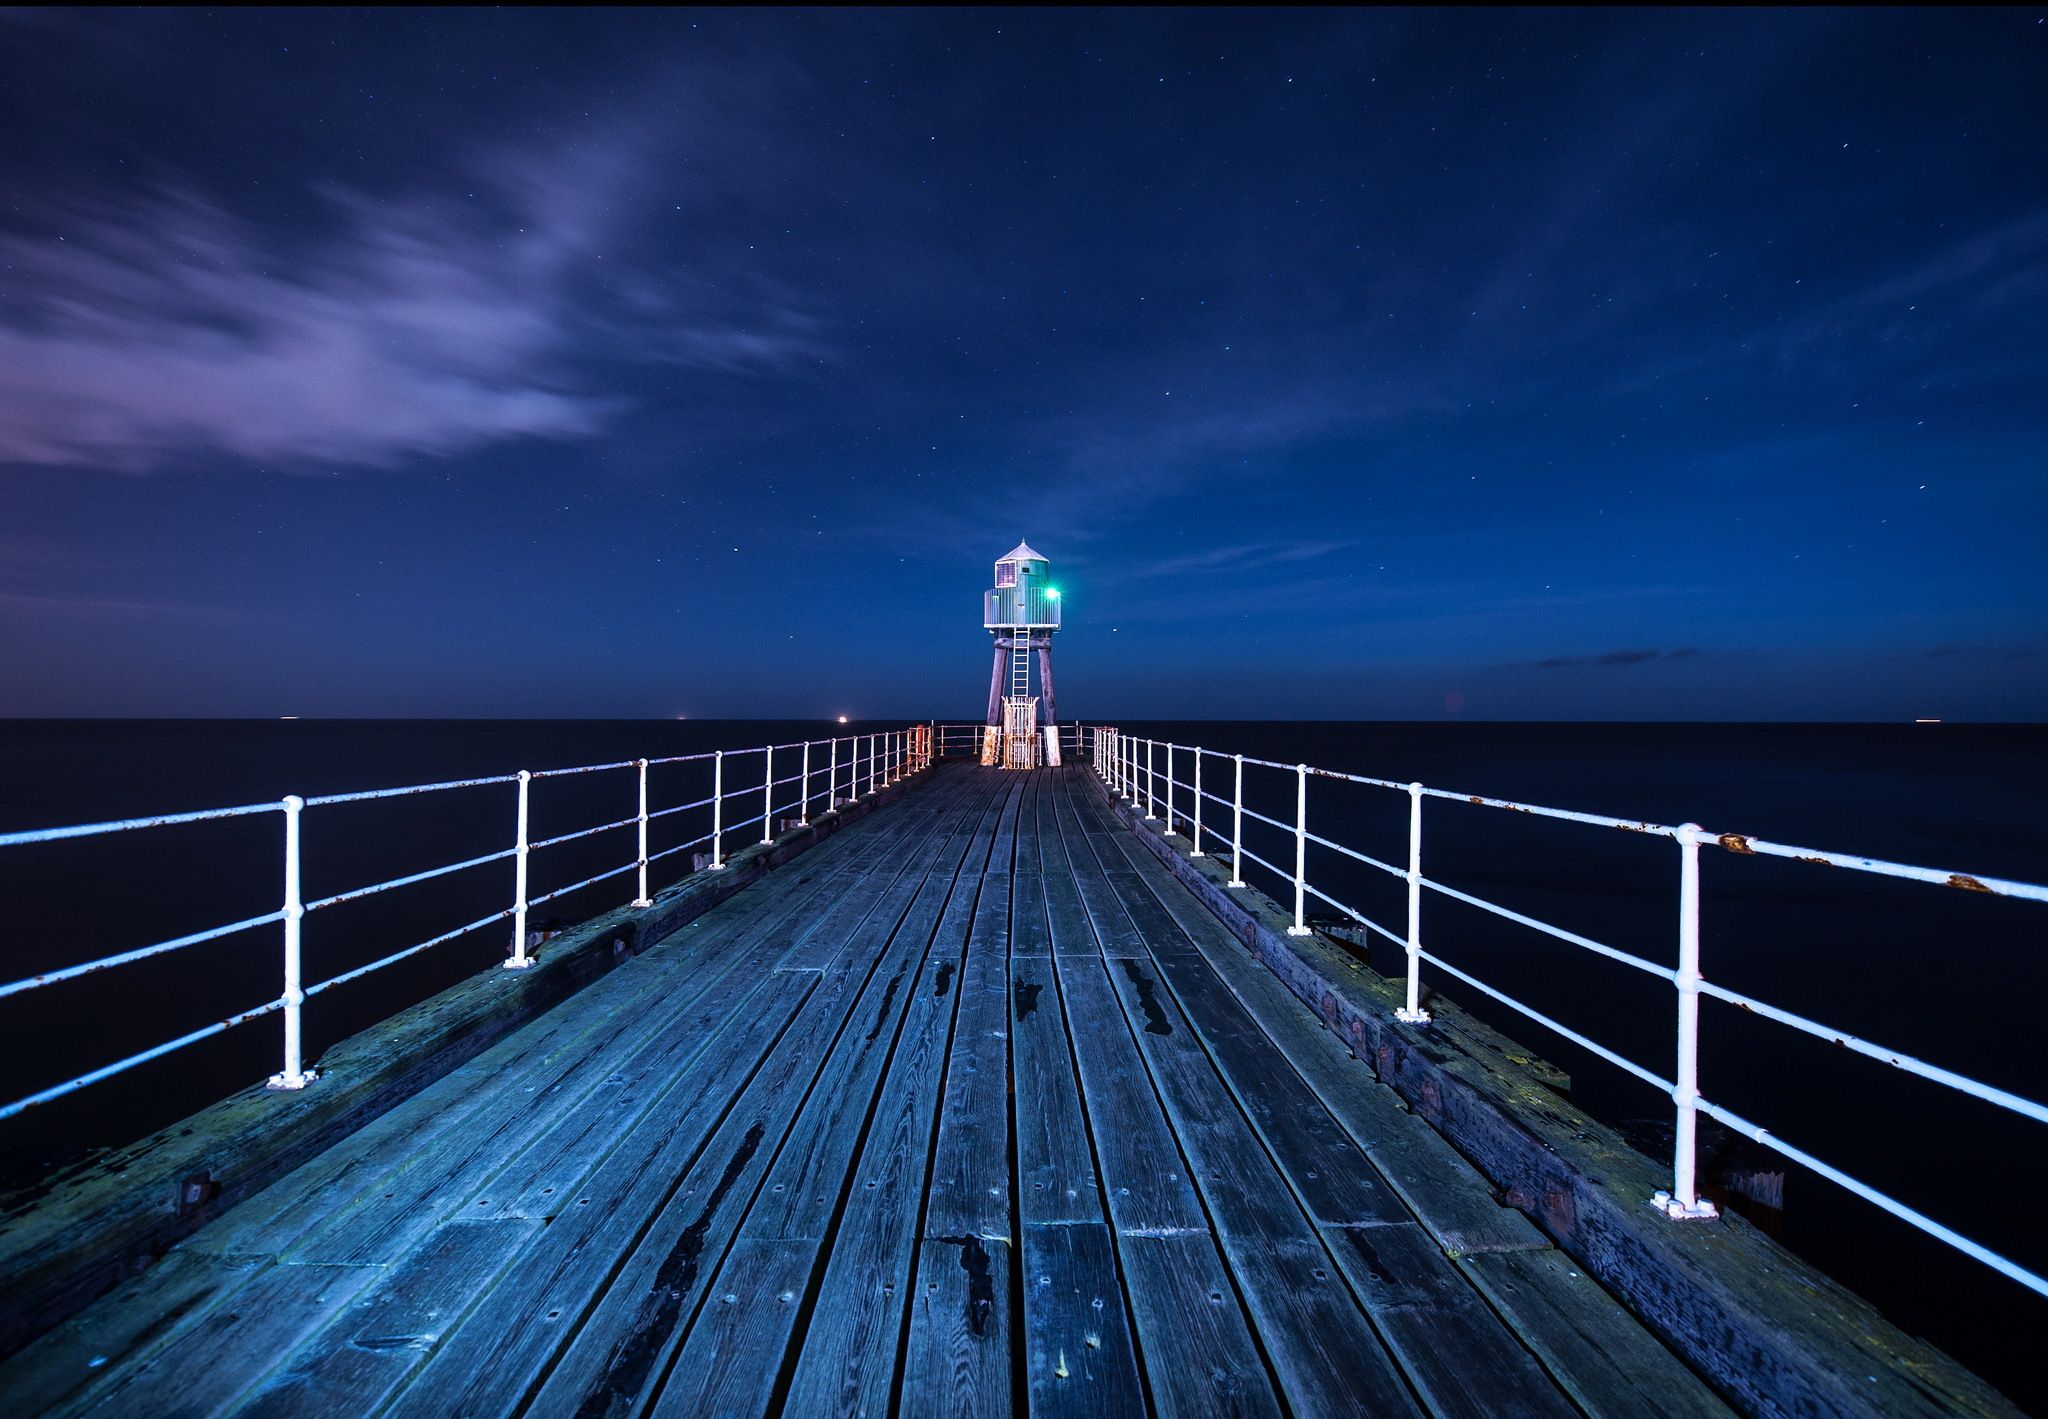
[[1196, 796], [801, 778]]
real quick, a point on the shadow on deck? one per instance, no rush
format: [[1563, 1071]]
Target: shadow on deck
[[972, 1108]]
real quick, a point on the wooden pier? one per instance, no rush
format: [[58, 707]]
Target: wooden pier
[[973, 1108]]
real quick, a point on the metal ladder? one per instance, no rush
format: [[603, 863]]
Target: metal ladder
[[1020, 666]]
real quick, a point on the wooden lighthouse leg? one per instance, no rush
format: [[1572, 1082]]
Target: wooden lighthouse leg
[[1050, 718], [992, 736]]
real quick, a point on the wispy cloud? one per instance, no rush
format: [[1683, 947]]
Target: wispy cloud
[[136, 329], [1611, 660], [1240, 557]]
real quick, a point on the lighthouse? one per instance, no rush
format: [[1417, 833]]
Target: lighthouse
[[1021, 611]]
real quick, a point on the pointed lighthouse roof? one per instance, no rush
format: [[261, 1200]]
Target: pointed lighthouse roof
[[1023, 552]]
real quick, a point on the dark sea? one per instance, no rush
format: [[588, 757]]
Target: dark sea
[[1954, 977]]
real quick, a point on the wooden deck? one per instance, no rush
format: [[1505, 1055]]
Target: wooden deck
[[971, 1109]]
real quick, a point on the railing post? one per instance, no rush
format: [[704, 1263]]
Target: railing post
[[1237, 828], [717, 811], [832, 779], [768, 794], [1169, 791], [295, 1075], [643, 900], [1198, 803], [1412, 1013], [1683, 1203], [1151, 787], [1300, 927], [520, 961], [803, 812]]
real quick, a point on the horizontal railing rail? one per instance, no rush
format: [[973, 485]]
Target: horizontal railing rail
[[832, 772], [1147, 773], [964, 741]]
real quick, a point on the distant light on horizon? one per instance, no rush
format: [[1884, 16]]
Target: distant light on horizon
[[842, 719]]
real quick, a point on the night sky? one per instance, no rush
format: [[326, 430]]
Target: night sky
[[1495, 364]]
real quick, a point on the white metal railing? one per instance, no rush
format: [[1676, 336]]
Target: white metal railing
[[963, 741], [1143, 772], [831, 771]]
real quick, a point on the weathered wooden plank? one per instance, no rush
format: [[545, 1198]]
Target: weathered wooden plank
[[1143, 1174], [1324, 1354], [179, 1314], [490, 1366], [655, 1082], [876, 1100], [365, 1164], [1456, 1352], [1594, 1348], [1335, 1181], [958, 1362], [231, 1347], [616, 1009], [1056, 1179], [444, 1171], [613, 1334], [1107, 922], [1195, 1343], [731, 1364], [368, 1350], [1078, 1358], [124, 1328], [893, 877], [1029, 933], [970, 1186], [957, 1354], [849, 1346], [1066, 915], [1460, 1356], [560, 1133], [1072, 1294], [491, 1362], [1447, 1193], [1195, 1340], [856, 1322], [812, 1169], [645, 1316]]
